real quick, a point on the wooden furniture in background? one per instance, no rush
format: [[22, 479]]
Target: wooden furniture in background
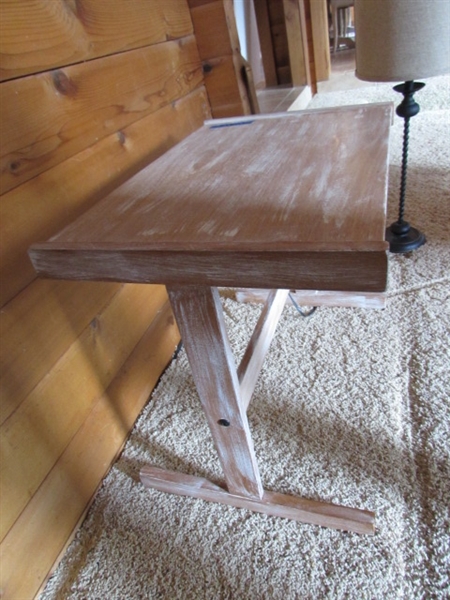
[[296, 201], [297, 36], [340, 17], [320, 52], [375, 300], [294, 42], [278, 30]]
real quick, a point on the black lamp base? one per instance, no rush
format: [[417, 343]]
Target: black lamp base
[[403, 238], [400, 235]]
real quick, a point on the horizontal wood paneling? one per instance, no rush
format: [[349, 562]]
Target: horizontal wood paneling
[[38, 327], [76, 107], [217, 38], [212, 34], [195, 3], [92, 92], [40, 207], [61, 500], [36, 434], [223, 89], [38, 35]]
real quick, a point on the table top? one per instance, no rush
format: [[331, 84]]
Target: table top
[[293, 199]]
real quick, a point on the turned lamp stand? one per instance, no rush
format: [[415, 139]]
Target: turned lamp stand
[[400, 235], [395, 56]]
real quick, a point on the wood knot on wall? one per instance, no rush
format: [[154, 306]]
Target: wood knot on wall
[[14, 166], [63, 84]]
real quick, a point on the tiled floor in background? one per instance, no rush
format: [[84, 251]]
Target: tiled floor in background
[[280, 98]]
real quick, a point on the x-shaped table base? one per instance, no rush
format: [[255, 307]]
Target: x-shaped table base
[[225, 392]]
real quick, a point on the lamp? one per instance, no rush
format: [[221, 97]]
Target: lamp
[[402, 40]]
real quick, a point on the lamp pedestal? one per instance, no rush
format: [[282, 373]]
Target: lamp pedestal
[[400, 235]]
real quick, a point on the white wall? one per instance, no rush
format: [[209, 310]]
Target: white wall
[[244, 11]]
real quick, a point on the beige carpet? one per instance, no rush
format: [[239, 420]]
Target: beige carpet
[[352, 406]]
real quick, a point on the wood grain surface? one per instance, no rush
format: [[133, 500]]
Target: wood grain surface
[[36, 332], [258, 346], [40, 207], [38, 35], [320, 298], [342, 269], [297, 201], [280, 41], [218, 44], [199, 315], [46, 525], [211, 29], [75, 107], [223, 88], [320, 38], [38, 431], [266, 43], [92, 91], [271, 503], [297, 41]]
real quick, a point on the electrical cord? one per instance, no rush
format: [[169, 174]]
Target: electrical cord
[[299, 310], [178, 349]]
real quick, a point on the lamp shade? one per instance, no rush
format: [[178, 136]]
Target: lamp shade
[[402, 40]]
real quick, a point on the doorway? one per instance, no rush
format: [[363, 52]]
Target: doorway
[[273, 41]]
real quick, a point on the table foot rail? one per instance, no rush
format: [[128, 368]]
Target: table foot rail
[[272, 503], [376, 300]]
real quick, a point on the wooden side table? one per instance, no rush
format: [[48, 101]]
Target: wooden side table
[[294, 200]]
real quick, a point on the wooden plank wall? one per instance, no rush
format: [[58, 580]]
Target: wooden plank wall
[[309, 62], [294, 41], [279, 41], [266, 43], [317, 15], [90, 92], [219, 49], [295, 18]]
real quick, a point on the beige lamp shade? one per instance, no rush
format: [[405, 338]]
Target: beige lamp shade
[[402, 40]]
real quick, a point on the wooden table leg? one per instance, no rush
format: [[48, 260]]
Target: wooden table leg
[[199, 315], [200, 318]]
